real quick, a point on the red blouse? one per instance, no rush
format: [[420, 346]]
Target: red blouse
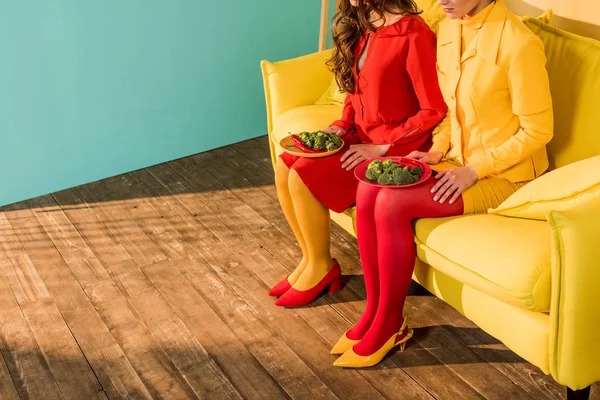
[[398, 100]]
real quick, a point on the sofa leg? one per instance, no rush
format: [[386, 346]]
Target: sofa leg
[[583, 394]]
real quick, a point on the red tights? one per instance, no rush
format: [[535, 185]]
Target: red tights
[[387, 251]]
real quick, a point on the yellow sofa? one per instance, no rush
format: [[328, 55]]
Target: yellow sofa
[[534, 285]]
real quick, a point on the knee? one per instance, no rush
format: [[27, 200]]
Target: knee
[[392, 204], [366, 195], [282, 173], [295, 183]]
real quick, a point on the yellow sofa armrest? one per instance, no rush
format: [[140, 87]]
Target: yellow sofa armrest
[[294, 83], [575, 302]]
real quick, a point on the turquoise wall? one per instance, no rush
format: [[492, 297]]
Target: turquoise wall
[[94, 88]]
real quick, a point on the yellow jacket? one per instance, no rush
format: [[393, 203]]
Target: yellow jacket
[[505, 96]]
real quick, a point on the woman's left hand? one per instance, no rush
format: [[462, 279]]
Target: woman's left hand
[[452, 182], [358, 153]]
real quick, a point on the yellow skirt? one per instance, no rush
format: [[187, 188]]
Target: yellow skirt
[[487, 193]]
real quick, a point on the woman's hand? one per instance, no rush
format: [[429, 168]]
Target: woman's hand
[[362, 152], [336, 130], [431, 158], [452, 182]]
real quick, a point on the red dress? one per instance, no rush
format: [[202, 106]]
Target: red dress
[[397, 101]]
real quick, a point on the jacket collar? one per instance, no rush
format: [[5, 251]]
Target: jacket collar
[[488, 42]]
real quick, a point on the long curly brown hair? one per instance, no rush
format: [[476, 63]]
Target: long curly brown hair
[[349, 25]]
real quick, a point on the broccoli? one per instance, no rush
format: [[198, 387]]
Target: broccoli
[[333, 142], [385, 179], [373, 173], [320, 142], [402, 177], [307, 138], [393, 168], [387, 164], [417, 172], [376, 167], [390, 173], [375, 164]]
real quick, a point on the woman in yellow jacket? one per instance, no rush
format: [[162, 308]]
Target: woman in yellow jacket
[[491, 70]]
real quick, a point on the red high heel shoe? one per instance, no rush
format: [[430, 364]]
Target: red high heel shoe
[[280, 288], [298, 298]]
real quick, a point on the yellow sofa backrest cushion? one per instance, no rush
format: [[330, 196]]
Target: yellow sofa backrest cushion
[[574, 71], [332, 95], [432, 13]]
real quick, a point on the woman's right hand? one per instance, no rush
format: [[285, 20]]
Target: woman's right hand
[[431, 158], [336, 130]]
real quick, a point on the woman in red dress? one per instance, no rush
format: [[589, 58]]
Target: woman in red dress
[[384, 57]]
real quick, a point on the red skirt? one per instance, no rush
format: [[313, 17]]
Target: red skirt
[[331, 185]]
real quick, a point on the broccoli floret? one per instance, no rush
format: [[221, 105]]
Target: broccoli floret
[[335, 138], [387, 164], [307, 139], [375, 164], [417, 171], [333, 142], [393, 168], [331, 146], [372, 174], [320, 143], [402, 177], [385, 179], [321, 135], [376, 167]]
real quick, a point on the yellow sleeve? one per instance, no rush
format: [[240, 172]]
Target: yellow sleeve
[[532, 103], [441, 135]]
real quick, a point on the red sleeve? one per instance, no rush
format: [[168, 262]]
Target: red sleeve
[[347, 121], [420, 65]]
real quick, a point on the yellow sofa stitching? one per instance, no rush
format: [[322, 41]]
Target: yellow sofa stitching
[[555, 299]]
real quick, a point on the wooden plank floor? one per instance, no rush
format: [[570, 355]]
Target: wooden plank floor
[[154, 285]]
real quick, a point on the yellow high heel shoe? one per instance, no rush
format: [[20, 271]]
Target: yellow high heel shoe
[[352, 360], [343, 344]]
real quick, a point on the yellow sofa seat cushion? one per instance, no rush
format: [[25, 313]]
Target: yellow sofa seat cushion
[[559, 190], [575, 85], [507, 258], [300, 119]]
